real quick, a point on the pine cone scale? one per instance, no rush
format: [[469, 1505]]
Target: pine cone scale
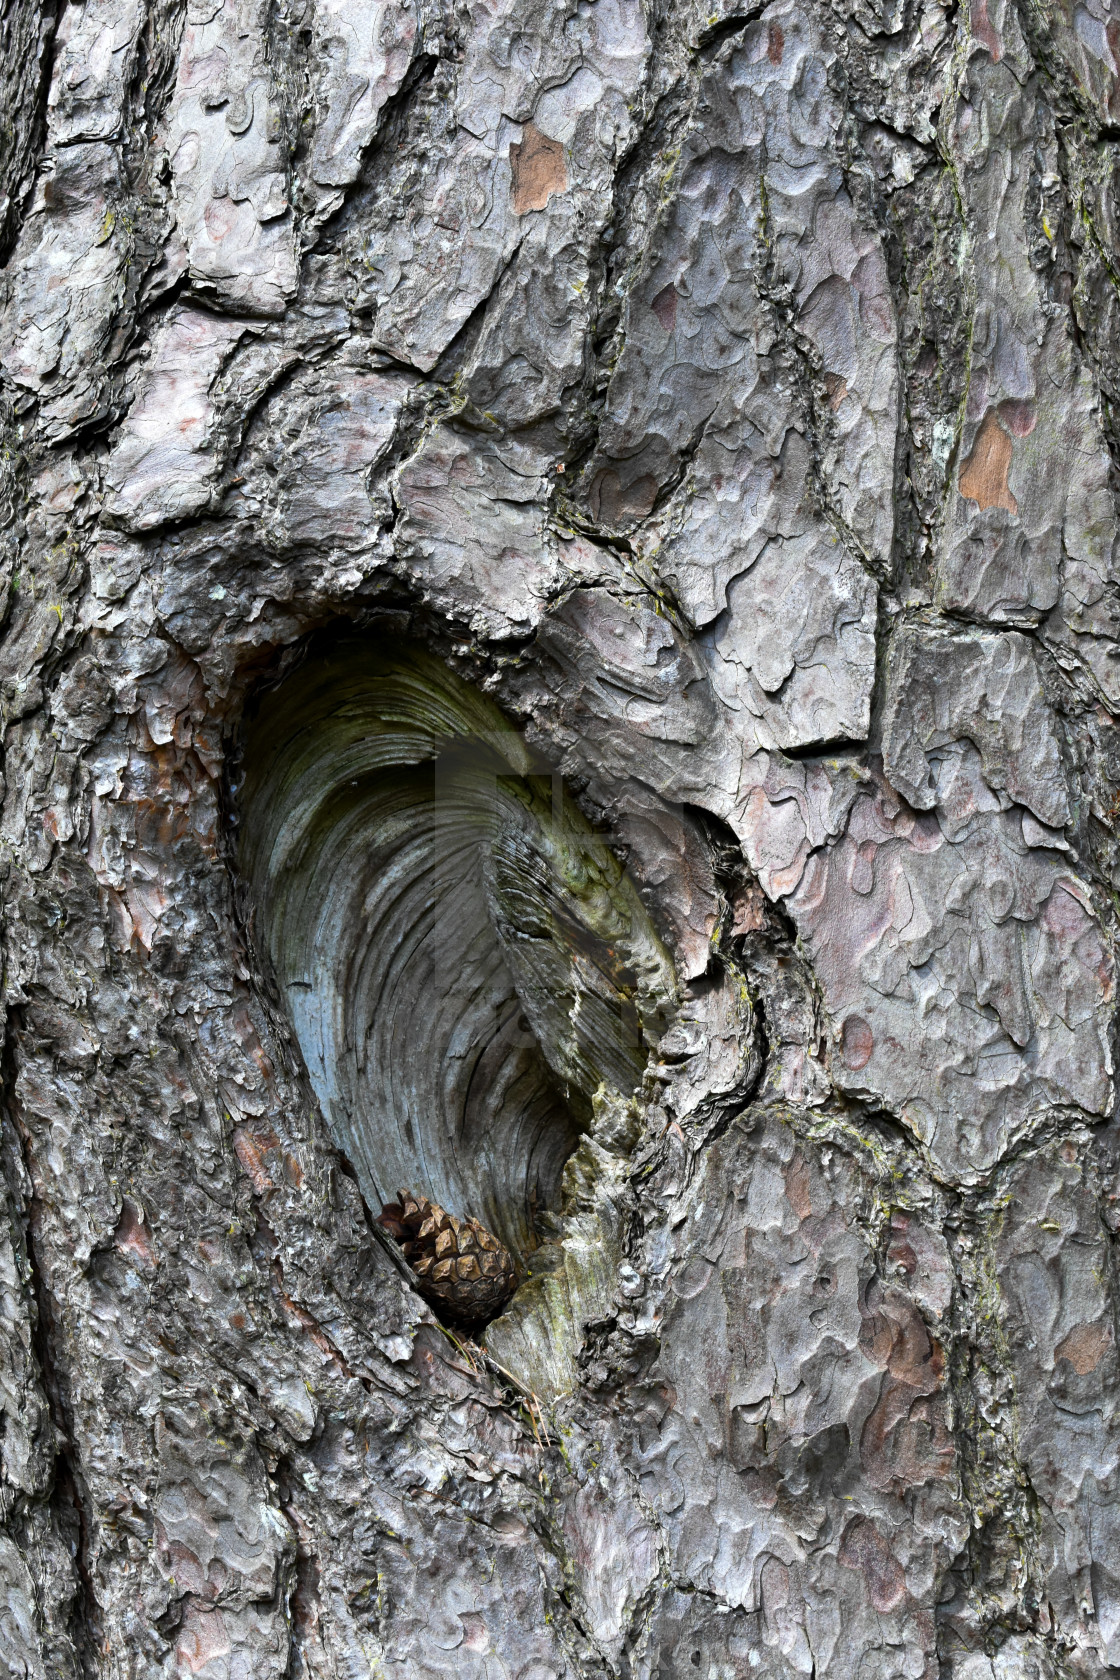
[[461, 1269]]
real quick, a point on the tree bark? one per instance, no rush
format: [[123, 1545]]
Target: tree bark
[[560, 652]]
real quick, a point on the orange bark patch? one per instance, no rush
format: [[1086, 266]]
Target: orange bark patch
[[836, 388], [865, 1549], [797, 1188], [251, 1148], [984, 475], [1084, 1347], [856, 1043], [900, 1253], [132, 1235], [202, 1639], [664, 306], [983, 30], [1017, 417], [299, 1315], [749, 914], [538, 169], [612, 501]]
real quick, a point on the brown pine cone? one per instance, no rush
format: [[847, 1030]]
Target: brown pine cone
[[461, 1270]]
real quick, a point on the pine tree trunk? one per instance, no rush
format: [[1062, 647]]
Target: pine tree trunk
[[560, 655]]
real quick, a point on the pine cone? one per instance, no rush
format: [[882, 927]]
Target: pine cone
[[461, 1269]]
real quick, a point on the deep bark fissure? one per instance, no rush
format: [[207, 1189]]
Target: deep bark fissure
[[64, 1503]]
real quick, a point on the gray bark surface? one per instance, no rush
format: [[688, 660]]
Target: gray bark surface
[[559, 646]]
